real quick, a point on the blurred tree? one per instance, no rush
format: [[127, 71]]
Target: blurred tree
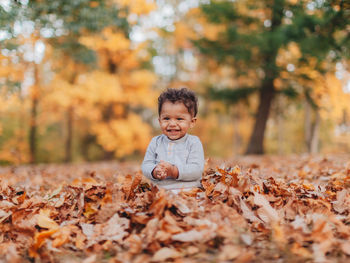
[[65, 22], [248, 36], [126, 90], [68, 60]]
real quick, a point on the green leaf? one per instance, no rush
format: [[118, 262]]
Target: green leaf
[[230, 95]]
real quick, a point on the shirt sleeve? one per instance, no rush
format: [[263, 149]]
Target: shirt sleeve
[[149, 161], [192, 170]]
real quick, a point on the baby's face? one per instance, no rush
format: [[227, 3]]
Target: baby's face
[[175, 120]]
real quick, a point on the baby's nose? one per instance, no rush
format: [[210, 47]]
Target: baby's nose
[[172, 122]]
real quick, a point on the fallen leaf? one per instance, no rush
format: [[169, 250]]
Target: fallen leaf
[[229, 252], [45, 221], [166, 253], [39, 240], [345, 247], [269, 213], [193, 235]]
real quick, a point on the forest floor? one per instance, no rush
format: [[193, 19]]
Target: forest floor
[[252, 209]]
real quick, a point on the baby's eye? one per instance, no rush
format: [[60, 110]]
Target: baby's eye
[[179, 119], [166, 118]]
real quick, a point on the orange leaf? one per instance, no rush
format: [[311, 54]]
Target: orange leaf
[[39, 240], [61, 236], [44, 221]]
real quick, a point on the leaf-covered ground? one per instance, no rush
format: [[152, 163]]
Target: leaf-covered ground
[[252, 209]]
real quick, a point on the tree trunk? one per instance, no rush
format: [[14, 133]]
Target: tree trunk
[[70, 124], [237, 139], [108, 114], [86, 141], [267, 91], [311, 128], [33, 131], [307, 125], [315, 133], [69, 138], [280, 126], [33, 116], [266, 96]]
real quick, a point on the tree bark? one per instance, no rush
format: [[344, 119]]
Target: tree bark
[[33, 131], [70, 124], [266, 96], [33, 116], [307, 124], [280, 126], [86, 142], [311, 127], [69, 138], [315, 133], [237, 139]]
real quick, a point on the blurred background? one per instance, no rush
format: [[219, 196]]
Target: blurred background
[[79, 80]]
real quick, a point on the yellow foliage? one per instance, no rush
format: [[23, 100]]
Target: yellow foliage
[[94, 4], [15, 149], [137, 87], [123, 136], [243, 7], [101, 99], [61, 94], [196, 25], [96, 91], [66, 68], [119, 110], [8, 102], [291, 54], [278, 84], [212, 31], [183, 33], [338, 101], [107, 39], [9, 70], [138, 7], [4, 71], [126, 61], [101, 87], [140, 79]]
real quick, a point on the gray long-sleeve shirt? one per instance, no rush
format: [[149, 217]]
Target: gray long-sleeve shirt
[[186, 153]]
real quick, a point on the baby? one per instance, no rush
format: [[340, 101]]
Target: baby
[[175, 159]]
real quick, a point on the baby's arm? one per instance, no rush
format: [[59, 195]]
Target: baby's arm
[[192, 170], [149, 162]]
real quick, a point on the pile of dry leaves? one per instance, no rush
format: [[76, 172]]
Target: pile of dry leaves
[[265, 209]]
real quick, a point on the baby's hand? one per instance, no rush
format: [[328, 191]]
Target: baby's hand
[[159, 172], [171, 171]]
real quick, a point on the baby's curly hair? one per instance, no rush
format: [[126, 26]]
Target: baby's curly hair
[[184, 95]]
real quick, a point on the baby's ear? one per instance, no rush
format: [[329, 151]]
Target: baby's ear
[[193, 122]]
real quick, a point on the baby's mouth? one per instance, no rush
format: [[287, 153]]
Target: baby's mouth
[[173, 131]]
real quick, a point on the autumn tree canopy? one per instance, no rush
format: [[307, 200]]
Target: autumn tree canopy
[[85, 78], [250, 36]]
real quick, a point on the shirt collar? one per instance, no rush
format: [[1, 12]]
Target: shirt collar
[[176, 141]]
